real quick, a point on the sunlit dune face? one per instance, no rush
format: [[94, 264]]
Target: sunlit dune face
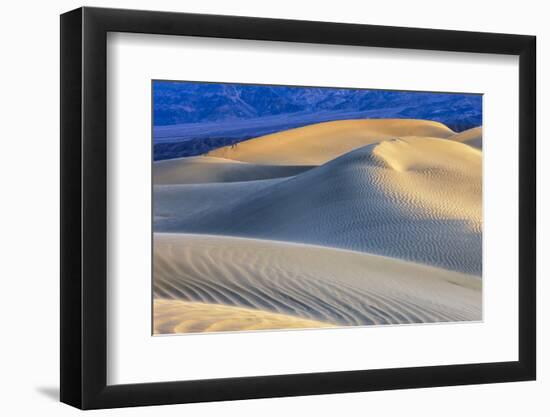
[[322, 142], [176, 316], [441, 177], [415, 153]]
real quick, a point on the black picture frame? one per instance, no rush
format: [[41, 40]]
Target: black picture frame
[[84, 207]]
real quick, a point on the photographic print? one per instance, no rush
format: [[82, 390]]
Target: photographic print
[[290, 207]]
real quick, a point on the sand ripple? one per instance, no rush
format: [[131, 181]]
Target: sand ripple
[[417, 199], [309, 282]]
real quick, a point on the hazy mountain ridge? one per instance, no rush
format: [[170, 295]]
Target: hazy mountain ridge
[[193, 118]]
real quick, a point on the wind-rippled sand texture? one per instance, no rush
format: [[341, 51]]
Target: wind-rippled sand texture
[[417, 199], [345, 191], [324, 285]]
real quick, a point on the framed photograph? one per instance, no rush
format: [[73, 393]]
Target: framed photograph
[[259, 208]]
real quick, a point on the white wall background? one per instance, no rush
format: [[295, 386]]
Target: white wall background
[[29, 176]]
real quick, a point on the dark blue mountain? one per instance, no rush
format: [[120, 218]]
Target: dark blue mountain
[[193, 118]]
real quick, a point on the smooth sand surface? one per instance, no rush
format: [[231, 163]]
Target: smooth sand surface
[[328, 286], [417, 199], [472, 137], [176, 316], [319, 143], [207, 169], [179, 206]]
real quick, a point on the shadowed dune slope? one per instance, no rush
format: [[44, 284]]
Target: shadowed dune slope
[[318, 143], [176, 316], [180, 205], [472, 137], [417, 199], [326, 285], [205, 169]]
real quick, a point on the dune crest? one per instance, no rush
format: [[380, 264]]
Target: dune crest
[[472, 137], [318, 143], [411, 153]]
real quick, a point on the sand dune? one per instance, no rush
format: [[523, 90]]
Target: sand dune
[[318, 143], [206, 169], [417, 199], [176, 316], [328, 286], [286, 230], [472, 137]]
